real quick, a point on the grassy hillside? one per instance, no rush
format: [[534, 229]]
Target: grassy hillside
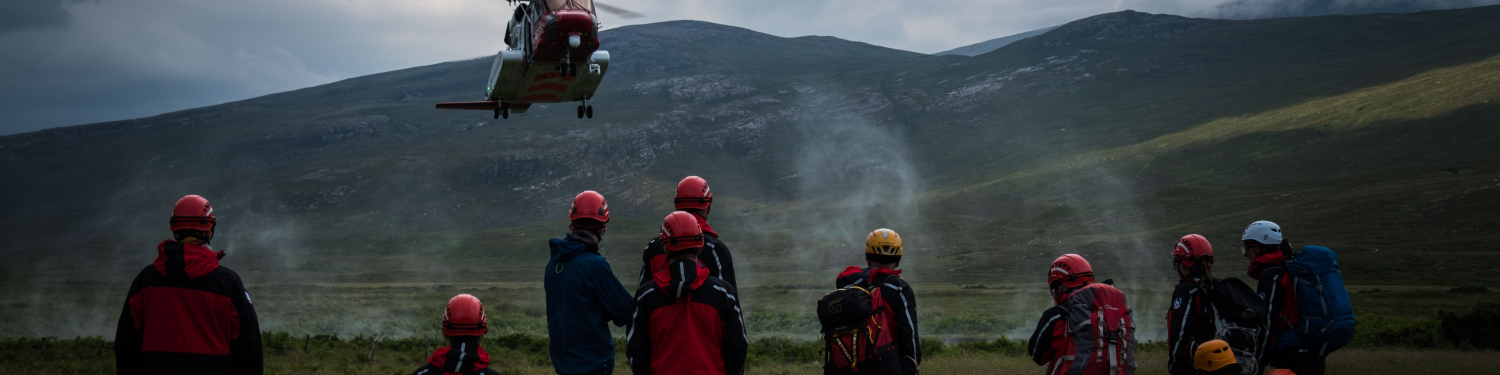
[[1110, 136]]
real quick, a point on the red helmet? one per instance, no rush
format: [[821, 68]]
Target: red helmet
[[1191, 248], [192, 212], [589, 205], [680, 231], [465, 317], [693, 192], [1070, 270]]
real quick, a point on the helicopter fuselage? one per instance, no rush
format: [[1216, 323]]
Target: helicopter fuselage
[[552, 56]]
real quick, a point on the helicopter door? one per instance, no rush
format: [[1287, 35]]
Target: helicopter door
[[518, 27]]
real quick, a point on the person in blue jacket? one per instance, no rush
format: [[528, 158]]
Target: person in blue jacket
[[583, 293]]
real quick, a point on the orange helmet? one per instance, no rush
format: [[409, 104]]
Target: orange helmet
[[465, 317], [1070, 270], [192, 212], [589, 205], [693, 192], [680, 231], [1212, 356], [1191, 248]]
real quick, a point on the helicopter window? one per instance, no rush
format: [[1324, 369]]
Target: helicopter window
[[570, 4]]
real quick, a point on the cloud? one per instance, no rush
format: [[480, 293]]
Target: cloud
[[1254, 9], [18, 15], [120, 60]]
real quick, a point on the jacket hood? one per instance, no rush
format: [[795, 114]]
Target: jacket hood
[[1259, 265], [703, 224], [462, 356], [181, 262], [681, 277], [574, 244]]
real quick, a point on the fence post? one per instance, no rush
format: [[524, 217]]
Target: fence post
[[371, 356]]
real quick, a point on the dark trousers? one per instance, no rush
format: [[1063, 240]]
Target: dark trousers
[[1300, 360]]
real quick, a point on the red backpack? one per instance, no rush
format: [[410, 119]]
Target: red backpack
[[1102, 331], [857, 332]]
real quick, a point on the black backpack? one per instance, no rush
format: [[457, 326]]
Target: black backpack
[[857, 337], [1239, 319]]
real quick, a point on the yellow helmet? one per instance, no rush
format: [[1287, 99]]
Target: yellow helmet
[[1213, 355], [883, 245]]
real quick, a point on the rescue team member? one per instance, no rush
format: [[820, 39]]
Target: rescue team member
[[1067, 352], [583, 293], [1215, 358], [464, 323], [1190, 318], [883, 250], [1267, 249], [186, 314], [694, 197], [686, 321]]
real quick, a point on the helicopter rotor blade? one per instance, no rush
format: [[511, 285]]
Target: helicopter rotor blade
[[618, 11]]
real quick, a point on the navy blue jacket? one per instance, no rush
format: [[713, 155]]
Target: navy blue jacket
[[582, 295]]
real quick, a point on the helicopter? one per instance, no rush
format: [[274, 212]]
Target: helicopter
[[552, 55]]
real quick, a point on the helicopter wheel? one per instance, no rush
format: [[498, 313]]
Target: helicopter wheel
[[497, 111], [505, 113], [589, 112], [580, 111]]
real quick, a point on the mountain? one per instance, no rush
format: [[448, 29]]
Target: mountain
[[993, 44], [1109, 136]]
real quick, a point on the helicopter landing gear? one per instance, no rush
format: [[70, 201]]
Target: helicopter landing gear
[[584, 109], [502, 111]]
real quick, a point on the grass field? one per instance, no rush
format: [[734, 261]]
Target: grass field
[[363, 355]]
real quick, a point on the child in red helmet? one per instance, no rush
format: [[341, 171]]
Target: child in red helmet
[[694, 197], [464, 323], [1089, 330], [686, 321], [185, 313]]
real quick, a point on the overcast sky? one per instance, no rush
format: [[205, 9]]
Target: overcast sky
[[69, 62]]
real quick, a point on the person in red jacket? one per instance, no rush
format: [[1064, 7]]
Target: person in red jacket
[[686, 321], [1268, 249], [186, 314], [464, 323], [693, 196]]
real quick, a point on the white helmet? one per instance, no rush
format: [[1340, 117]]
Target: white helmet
[[1263, 232]]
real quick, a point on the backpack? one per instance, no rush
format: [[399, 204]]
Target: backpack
[[856, 334], [1327, 315], [1239, 319], [1102, 330]]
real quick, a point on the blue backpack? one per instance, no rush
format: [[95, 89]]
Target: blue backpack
[[1327, 315]]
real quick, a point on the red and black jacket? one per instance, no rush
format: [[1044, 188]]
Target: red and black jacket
[[1276, 287], [1189, 323], [1050, 341], [686, 322], [185, 314], [462, 357], [715, 256]]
